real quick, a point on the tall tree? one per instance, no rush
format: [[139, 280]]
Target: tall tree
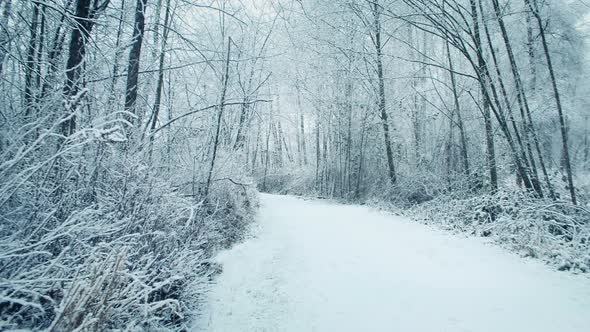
[[87, 11], [382, 105], [218, 124], [484, 77], [134, 60], [6, 8]]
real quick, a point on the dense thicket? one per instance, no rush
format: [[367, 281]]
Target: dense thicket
[[469, 95], [117, 184]]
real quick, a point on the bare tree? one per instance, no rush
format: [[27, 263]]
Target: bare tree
[[134, 59], [87, 11], [376, 38]]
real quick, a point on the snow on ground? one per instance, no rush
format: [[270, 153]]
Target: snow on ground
[[319, 266]]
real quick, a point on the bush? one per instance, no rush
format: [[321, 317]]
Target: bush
[[555, 231], [93, 239]]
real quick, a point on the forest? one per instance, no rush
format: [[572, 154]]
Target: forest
[[136, 136]]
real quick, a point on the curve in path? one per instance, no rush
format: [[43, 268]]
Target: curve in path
[[319, 266]]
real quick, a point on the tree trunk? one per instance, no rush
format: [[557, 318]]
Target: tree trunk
[[77, 51], [160, 84], [449, 151], [118, 51], [162, 59], [301, 125], [134, 59], [348, 167], [382, 102], [279, 140], [4, 35], [55, 52], [464, 151], [491, 152], [31, 66], [530, 43], [39, 55], [359, 173], [267, 159], [317, 151], [219, 117], [241, 137]]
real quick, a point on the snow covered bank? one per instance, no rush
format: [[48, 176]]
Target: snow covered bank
[[134, 254], [556, 232]]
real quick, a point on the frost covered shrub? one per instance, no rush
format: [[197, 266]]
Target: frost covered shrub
[[583, 186], [92, 239], [289, 180], [422, 187], [555, 231], [237, 202]]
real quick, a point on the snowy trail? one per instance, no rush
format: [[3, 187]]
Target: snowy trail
[[317, 266]]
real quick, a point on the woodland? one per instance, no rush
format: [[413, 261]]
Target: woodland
[[135, 136]]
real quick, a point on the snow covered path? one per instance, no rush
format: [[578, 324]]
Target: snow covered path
[[318, 266]]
